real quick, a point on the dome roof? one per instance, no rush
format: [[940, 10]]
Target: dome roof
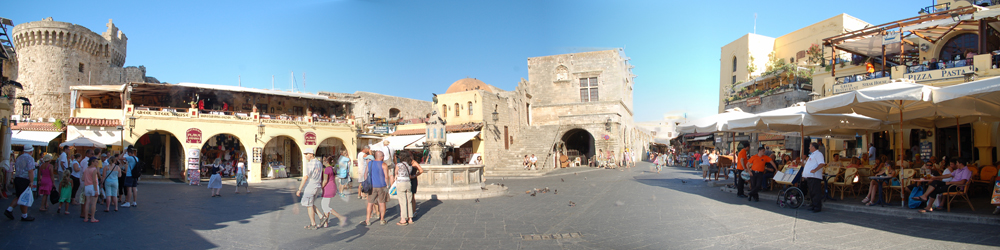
[[467, 84]]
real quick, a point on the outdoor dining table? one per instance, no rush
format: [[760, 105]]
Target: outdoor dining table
[[881, 196]]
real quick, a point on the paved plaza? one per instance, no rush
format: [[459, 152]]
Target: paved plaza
[[587, 209]]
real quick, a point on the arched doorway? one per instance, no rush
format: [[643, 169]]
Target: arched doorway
[[227, 148], [579, 143], [164, 153], [283, 151], [958, 45], [330, 146]]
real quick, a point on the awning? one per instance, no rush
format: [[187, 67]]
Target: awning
[[454, 140], [83, 142], [402, 140], [370, 137], [32, 138], [700, 138], [107, 136]]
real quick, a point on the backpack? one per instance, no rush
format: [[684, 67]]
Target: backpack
[[913, 203], [137, 170]]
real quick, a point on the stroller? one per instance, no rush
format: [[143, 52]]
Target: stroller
[[790, 196]]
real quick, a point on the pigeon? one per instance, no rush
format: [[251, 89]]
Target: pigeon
[[619, 203], [477, 200], [576, 173], [584, 178], [571, 203], [556, 191], [561, 179], [527, 192], [532, 193], [501, 185], [685, 182], [483, 188]]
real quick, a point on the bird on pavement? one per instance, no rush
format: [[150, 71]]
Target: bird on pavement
[[571, 203], [477, 200], [556, 191], [561, 179], [685, 182]]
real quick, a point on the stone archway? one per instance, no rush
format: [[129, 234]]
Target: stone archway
[[578, 143], [164, 153], [283, 150], [330, 146], [227, 148]]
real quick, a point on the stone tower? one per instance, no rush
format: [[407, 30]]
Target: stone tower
[[52, 56]]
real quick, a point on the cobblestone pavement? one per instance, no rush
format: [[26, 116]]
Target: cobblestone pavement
[[610, 209]]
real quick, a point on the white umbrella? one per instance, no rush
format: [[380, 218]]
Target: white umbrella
[[714, 123], [83, 142], [977, 98], [796, 119]]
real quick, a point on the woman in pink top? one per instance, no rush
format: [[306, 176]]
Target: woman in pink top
[[90, 191], [45, 181]]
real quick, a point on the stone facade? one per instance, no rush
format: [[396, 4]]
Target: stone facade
[[52, 56], [366, 103]]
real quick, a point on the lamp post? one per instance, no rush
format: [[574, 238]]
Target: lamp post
[[121, 134], [496, 116], [260, 132], [131, 123], [25, 107]]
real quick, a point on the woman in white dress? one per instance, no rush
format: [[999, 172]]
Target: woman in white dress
[[241, 176], [215, 181]]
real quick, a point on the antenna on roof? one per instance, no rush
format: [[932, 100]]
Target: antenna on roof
[[239, 80], [293, 81], [303, 81], [272, 82], [755, 23]]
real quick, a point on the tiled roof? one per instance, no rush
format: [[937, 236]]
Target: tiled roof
[[36, 126], [468, 127], [97, 122]]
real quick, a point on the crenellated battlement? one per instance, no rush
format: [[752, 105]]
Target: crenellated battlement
[[53, 33]]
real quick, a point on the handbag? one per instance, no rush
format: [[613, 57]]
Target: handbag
[[392, 189], [54, 196], [366, 186]]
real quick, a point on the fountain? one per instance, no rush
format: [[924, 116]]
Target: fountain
[[450, 182]]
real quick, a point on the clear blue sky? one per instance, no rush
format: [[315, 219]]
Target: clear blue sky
[[415, 48]]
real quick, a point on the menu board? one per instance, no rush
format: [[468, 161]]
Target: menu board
[[926, 151], [995, 200]]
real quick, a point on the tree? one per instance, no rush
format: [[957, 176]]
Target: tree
[[751, 67]]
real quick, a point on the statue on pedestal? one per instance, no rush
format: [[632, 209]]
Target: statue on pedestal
[[436, 138]]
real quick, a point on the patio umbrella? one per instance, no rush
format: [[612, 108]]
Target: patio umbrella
[[796, 119], [902, 98], [83, 142], [714, 123], [970, 102]]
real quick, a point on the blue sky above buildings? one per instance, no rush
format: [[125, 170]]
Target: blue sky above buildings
[[415, 48]]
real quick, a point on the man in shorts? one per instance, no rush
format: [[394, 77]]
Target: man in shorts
[[24, 168], [130, 182], [363, 158], [310, 187], [380, 192]]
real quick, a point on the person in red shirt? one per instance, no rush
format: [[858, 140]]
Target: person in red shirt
[[741, 161], [697, 159], [757, 168]]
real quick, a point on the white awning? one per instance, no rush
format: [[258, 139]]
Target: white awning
[[700, 138], [370, 137], [106, 136], [83, 142], [32, 138], [403, 140], [454, 140]]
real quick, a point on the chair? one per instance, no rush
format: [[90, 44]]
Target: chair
[[904, 180], [846, 183], [963, 193], [986, 175], [863, 173]]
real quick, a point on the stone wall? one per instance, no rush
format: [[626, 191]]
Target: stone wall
[[379, 104], [55, 55], [774, 101]]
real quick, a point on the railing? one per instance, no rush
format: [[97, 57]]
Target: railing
[[233, 115], [935, 8], [984, 3], [939, 65]]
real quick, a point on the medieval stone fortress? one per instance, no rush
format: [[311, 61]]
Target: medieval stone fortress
[[572, 109]]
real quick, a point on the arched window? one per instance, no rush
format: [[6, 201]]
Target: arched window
[[393, 113], [444, 110], [456, 109], [956, 46], [470, 108], [734, 64]]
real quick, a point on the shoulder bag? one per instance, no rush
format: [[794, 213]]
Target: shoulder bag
[[366, 186]]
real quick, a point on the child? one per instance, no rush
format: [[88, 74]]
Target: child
[[65, 193]]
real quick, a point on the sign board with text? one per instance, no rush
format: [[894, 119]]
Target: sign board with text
[[891, 37], [193, 136], [940, 74], [753, 101]]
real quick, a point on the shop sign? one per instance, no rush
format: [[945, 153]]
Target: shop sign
[[848, 87], [891, 37], [194, 135], [753, 101], [742, 138], [310, 138], [940, 74], [382, 129]]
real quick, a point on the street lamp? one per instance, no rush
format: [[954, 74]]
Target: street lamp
[[25, 107], [496, 116], [260, 132], [607, 125]]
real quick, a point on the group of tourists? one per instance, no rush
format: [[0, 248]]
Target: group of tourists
[[104, 177], [382, 174]]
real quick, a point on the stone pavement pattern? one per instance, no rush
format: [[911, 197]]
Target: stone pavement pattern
[[633, 209]]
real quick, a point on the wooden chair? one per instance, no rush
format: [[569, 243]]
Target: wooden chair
[[986, 175], [863, 173], [904, 180], [846, 183], [963, 193]]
